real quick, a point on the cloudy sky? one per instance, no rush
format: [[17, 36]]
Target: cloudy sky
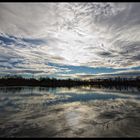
[[65, 40]]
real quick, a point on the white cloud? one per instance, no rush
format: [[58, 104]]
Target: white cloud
[[87, 34]]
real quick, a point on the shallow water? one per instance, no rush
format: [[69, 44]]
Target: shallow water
[[69, 112]]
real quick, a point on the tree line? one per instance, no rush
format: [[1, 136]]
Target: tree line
[[53, 82]]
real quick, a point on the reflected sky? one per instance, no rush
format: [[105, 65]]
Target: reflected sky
[[68, 112]]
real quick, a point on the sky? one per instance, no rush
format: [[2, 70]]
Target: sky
[[70, 40]]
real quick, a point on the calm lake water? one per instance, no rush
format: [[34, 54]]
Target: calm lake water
[[69, 112]]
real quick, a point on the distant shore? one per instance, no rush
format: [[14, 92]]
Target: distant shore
[[47, 82]]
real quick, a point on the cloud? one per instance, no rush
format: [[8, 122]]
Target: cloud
[[75, 34], [122, 73]]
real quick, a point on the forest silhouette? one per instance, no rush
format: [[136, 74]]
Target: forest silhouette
[[52, 82]]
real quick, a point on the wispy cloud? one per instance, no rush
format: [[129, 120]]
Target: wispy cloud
[[75, 34]]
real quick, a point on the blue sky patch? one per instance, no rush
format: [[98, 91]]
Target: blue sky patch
[[87, 70]]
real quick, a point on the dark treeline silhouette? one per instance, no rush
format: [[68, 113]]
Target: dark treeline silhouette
[[117, 82], [52, 82], [48, 82]]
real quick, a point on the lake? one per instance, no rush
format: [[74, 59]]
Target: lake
[[69, 112]]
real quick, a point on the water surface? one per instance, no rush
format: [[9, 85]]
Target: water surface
[[69, 112]]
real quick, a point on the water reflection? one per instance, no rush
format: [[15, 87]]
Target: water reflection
[[69, 112]]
